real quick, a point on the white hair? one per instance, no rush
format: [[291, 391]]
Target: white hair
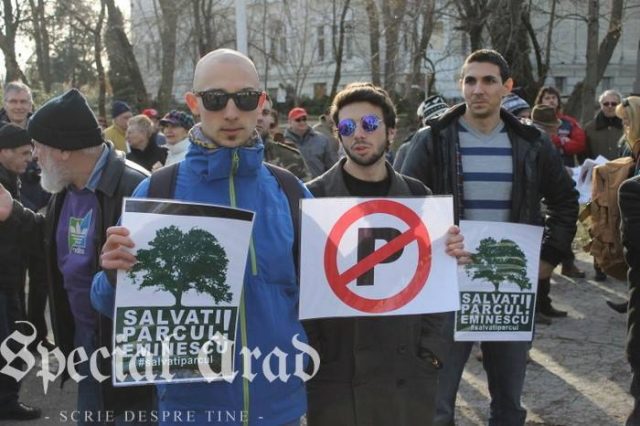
[[610, 92]]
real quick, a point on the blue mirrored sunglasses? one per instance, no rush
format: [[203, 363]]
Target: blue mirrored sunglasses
[[369, 123]]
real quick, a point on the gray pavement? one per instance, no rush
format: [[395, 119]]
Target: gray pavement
[[577, 376]]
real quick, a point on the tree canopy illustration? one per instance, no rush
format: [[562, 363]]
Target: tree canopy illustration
[[178, 262], [498, 262]]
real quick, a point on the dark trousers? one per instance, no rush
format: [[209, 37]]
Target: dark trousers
[[36, 301], [10, 312], [543, 301]]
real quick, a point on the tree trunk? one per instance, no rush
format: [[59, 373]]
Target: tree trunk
[[374, 40], [575, 103], [339, 50], [509, 36], [168, 29], [591, 78], [8, 42], [392, 17], [97, 52], [426, 13], [42, 44], [124, 73], [542, 62]]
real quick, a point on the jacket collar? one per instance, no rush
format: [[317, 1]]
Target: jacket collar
[[213, 164], [602, 122], [336, 187], [454, 113], [112, 171]]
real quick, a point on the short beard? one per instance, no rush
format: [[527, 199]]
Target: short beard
[[54, 181], [367, 162]]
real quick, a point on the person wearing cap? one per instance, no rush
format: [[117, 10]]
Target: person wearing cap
[[17, 108], [158, 137], [327, 127], [497, 169], [516, 106], [570, 138], [429, 109], [279, 154], [175, 126], [15, 154], [142, 147], [315, 147], [544, 118], [88, 179], [116, 133]]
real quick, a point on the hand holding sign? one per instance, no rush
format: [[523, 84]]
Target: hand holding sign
[[114, 252], [455, 246]]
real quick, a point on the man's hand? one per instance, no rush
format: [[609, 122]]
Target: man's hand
[[455, 246], [6, 204], [545, 270], [114, 252]]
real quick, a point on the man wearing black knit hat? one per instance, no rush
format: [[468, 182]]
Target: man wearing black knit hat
[[88, 178], [15, 153]]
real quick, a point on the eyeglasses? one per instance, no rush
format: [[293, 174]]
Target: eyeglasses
[[610, 104], [369, 123], [301, 119], [216, 100]]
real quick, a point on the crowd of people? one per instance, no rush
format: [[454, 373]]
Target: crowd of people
[[501, 159]]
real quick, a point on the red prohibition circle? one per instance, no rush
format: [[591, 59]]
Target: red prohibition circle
[[417, 231]]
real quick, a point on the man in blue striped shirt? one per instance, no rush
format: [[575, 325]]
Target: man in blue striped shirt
[[497, 169]]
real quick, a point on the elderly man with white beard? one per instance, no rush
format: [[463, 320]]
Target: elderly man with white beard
[[88, 179]]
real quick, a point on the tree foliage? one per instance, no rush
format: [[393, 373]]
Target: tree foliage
[[498, 262], [178, 262]]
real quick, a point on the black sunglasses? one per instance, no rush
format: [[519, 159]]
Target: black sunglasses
[[216, 99], [610, 104], [625, 102]]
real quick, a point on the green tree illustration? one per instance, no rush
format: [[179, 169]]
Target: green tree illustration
[[178, 262], [498, 262]]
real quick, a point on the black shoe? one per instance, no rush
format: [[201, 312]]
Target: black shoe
[[620, 308], [19, 411], [542, 319], [572, 271], [552, 312], [600, 276]]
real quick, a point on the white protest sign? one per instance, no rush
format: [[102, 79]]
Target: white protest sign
[[371, 257], [498, 289], [176, 311]]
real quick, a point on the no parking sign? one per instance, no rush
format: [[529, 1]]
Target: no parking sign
[[365, 257]]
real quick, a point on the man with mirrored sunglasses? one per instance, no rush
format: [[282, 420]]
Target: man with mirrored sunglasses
[[375, 371], [314, 146], [224, 166]]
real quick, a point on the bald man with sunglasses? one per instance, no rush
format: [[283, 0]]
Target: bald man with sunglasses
[[224, 166]]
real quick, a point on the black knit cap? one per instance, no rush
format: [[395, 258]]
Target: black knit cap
[[66, 122], [13, 136]]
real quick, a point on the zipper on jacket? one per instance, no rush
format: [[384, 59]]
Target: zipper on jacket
[[235, 161]]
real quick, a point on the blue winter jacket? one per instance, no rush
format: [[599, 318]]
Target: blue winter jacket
[[236, 177]]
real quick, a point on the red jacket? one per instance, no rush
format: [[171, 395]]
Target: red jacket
[[573, 135]]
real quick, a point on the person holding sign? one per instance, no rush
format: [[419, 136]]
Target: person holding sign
[[497, 169], [396, 383], [224, 166], [88, 178]]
